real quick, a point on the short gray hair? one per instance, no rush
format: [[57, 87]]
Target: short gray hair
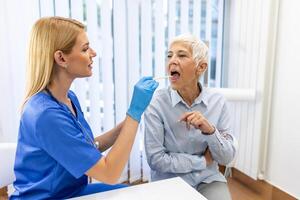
[[199, 48]]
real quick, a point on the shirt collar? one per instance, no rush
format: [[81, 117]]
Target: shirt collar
[[203, 97]]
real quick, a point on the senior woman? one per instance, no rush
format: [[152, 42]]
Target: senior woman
[[187, 126]]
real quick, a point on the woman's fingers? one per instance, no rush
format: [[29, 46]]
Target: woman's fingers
[[184, 117], [192, 118], [195, 119]]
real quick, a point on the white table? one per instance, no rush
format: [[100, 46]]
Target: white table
[[174, 188]]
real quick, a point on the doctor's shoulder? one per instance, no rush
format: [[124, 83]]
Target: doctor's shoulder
[[37, 104]]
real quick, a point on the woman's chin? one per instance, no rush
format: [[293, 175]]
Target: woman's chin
[[86, 75], [174, 86]]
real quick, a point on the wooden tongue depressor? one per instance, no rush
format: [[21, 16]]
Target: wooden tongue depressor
[[160, 78]]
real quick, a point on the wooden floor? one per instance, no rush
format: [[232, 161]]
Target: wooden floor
[[240, 191]]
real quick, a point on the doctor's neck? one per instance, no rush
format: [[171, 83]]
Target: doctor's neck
[[59, 87]]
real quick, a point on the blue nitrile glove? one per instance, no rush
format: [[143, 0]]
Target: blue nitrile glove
[[142, 95]]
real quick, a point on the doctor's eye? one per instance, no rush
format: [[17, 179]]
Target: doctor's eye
[[86, 49]]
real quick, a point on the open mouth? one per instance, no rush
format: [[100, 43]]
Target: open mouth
[[174, 75]]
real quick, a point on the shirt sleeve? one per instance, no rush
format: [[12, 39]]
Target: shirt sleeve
[[221, 142], [60, 137], [158, 157]]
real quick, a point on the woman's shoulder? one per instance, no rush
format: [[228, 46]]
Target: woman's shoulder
[[215, 92], [38, 104], [161, 95], [72, 94], [213, 95]]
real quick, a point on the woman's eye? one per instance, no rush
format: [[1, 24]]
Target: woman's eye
[[182, 55], [169, 56], [84, 50]]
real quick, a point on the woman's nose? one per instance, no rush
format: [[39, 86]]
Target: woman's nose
[[93, 52], [173, 59]]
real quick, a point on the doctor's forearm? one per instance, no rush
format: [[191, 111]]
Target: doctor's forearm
[[109, 168], [121, 149], [107, 139]]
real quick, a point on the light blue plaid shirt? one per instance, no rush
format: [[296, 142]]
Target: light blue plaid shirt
[[173, 150]]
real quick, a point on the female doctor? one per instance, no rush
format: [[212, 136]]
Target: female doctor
[[56, 149]]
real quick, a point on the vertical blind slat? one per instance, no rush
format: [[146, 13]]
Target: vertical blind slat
[[133, 76], [240, 81], [219, 44], [47, 8], [94, 92], [80, 84], [146, 38], [146, 64], [262, 20], [255, 41], [107, 66], [120, 58], [171, 19], [62, 8], [208, 21], [196, 17], [245, 84], [159, 53], [184, 16], [120, 64]]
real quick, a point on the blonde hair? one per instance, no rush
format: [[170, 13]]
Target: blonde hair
[[47, 36], [199, 48]]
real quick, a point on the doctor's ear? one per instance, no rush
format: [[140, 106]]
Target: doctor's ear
[[201, 68], [59, 58]]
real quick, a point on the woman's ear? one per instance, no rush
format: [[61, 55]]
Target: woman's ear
[[201, 68], [59, 59]]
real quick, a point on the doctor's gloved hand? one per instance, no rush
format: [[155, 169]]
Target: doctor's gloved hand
[[142, 95]]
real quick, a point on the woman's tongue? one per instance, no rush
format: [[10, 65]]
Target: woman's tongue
[[175, 76]]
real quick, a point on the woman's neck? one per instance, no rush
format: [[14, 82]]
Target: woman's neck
[[190, 93], [59, 88]]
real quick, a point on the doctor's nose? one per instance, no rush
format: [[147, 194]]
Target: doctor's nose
[[92, 53]]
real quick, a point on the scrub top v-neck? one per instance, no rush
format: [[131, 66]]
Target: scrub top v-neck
[[55, 149]]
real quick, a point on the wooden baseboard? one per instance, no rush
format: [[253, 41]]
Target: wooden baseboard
[[3, 193], [261, 187]]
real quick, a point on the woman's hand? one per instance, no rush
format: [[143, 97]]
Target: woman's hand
[[142, 95], [208, 157], [197, 120]]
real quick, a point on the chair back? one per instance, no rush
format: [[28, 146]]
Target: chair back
[[7, 160]]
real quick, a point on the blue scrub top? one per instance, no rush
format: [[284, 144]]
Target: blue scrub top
[[55, 149]]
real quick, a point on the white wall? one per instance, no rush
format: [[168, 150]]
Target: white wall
[[283, 169], [14, 33]]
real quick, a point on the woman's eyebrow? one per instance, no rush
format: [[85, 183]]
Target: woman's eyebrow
[[179, 51], [86, 44], [182, 51]]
